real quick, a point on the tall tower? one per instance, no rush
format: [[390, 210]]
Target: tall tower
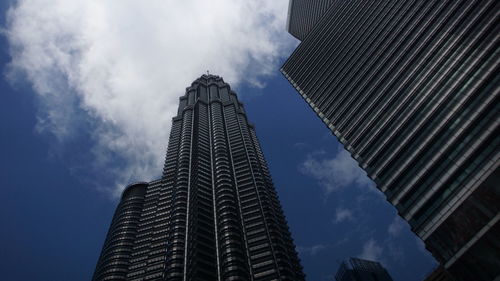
[[411, 89], [214, 214]]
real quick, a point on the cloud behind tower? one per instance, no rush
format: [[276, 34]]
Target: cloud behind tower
[[123, 64]]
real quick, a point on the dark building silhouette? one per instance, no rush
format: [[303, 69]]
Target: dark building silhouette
[[411, 89], [214, 214], [439, 274], [361, 270]]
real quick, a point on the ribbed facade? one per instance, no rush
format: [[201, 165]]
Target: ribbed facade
[[117, 250], [303, 15], [214, 214], [411, 88]]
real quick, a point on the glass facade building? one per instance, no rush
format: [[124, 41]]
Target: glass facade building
[[214, 214], [362, 270], [303, 15], [411, 89]]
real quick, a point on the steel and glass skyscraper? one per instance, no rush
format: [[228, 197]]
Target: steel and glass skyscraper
[[356, 269], [411, 88], [303, 16], [214, 214]]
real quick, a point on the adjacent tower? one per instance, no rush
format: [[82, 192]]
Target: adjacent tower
[[214, 214], [411, 88], [304, 14]]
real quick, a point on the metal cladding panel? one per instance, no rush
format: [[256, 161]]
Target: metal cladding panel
[[214, 214], [411, 90]]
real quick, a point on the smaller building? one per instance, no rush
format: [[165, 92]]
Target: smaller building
[[356, 269]]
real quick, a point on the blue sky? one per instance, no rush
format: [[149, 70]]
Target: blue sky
[[68, 143]]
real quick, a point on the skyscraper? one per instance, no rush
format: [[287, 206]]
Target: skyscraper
[[303, 15], [361, 270], [214, 214], [411, 89]]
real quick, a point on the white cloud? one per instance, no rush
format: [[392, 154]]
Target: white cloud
[[336, 173], [124, 64], [312, 250], [396, 227], [343, 214], [300, 145], [371, 250], [396, 252]]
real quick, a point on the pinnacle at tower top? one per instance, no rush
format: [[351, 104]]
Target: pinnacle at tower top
[[214, 214]]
